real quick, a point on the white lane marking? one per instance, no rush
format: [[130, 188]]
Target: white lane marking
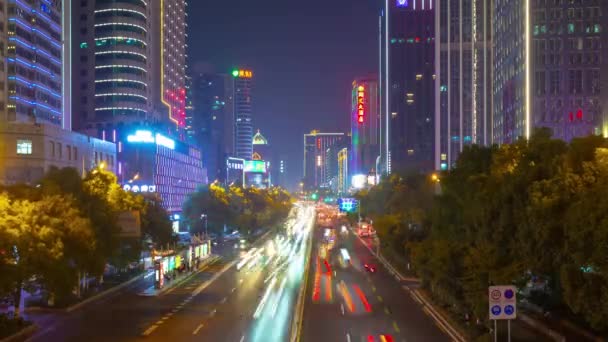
[[233, 289], [223, 300], [342, 309], [200, 326], [347, 337], [150, 330], [242, 338]]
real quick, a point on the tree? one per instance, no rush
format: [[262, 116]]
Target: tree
[[156, 224], [48, 242]]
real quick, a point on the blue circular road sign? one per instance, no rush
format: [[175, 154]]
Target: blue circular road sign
[[509, 310], [509, 294], [496, 310]]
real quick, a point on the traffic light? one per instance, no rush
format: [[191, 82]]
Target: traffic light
[[314, 196]]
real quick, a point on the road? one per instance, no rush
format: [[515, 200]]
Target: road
[[345, 302], [245, 296]]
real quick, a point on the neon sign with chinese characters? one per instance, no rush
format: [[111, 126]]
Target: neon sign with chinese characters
[[242, 73], [402, 3], [146, 137], [360, 104]]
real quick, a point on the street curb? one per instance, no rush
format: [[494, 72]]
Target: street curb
[[439, 319], [296, 325], [385, 263], [21, 334], [101, 295]]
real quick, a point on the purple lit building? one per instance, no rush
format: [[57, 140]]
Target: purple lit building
[[150, 161]]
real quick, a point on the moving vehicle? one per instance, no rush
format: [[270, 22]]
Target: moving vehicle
[[370, 268]]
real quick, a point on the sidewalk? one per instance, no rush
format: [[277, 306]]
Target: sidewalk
[[153, 291]]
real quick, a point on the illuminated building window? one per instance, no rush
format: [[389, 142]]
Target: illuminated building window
[[410, 152], [418, 77], [570, 28], [84, 45], [24, 146]]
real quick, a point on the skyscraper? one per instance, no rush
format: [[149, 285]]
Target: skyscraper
[[212, 119], [365, 125], [243, 125], [33, 74], [512, 70], [168, 60], [128, 64], [568, 41], [316, 169], [548, 68], [408, 82], [463, 51]]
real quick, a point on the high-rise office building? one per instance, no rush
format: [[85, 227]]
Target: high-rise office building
[[243, 124], [463, 69], [316, 168], [548, 68], [128, 64], [32, 76], [212, 120], [569, 46], [365, 126], [407, 69], [168, 60], [511, 23]]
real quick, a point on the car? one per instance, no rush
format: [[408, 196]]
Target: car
[[370, 268]]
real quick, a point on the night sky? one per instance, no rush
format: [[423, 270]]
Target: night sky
[[304, 55]]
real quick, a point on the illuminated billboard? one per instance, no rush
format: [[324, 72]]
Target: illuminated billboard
[[360, 104], [147, 137], [359, 181], [255, 166]]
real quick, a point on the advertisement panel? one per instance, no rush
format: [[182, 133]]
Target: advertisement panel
[[256, 166]]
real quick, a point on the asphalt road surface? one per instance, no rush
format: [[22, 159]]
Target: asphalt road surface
[[346, 302]]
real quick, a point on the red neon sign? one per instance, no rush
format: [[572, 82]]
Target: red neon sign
[[360, 104]]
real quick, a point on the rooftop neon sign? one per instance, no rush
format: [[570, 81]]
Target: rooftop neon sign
[[146, 137], [242, 73]]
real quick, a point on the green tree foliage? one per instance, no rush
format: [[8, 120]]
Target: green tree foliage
[[536, 207], [156, 224], [45, 242], [246, 209]]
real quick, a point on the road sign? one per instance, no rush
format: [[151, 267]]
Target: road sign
[[502, 302]]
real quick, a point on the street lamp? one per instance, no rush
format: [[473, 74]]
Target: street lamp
[[435, 178]]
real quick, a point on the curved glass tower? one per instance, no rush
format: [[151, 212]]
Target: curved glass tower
[[121, 57]]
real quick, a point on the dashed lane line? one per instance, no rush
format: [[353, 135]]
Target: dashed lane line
[[150, 330], [396, 327], [200, 326]]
